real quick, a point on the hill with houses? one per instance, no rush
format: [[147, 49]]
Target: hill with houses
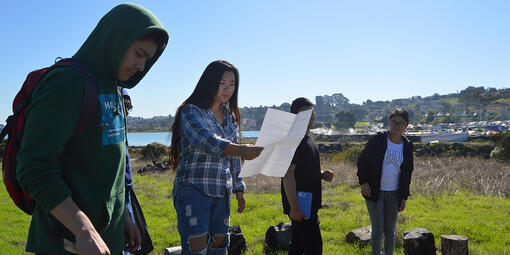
[[470, 104]]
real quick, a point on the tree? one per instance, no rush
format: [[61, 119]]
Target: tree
[[333, 100], [502, 146], [284, 107], [339, 99], [359, 112], [471, 96], [319, 101], [411, 111], [430, 116], [345, 119], [368, 102]]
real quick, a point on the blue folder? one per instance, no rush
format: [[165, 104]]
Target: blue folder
[[305, 202]]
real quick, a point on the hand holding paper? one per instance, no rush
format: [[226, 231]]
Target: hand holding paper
[[244, 151]]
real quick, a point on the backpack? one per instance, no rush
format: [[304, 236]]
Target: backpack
[[16, 125]]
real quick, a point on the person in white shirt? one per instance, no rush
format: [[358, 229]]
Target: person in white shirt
[[384, 172]]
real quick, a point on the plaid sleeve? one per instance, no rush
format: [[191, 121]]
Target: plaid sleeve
[[235, 169], [198, 135]]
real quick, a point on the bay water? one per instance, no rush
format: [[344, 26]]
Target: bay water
[[142, 139]]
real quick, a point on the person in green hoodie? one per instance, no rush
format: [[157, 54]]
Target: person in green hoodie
[[78, 186]]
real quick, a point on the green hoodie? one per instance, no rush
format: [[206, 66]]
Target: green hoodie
[[91, 168]]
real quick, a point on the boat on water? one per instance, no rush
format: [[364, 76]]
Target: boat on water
[[445, 136]]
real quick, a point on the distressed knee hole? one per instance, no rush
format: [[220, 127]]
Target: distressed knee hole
[[193, 221], [198, 243], [218, 240]]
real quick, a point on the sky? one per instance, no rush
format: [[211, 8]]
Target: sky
[[377, 50]]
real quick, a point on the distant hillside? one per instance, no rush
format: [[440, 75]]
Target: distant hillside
[[154, 124], [470, 104], [252, 117]]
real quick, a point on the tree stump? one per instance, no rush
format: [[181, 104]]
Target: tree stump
[[173, 251], [454, 245], [360, 236], [419, 241]]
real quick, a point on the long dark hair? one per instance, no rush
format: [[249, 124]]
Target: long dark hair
[[203, 97]]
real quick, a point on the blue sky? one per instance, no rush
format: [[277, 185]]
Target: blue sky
[[378, 50]]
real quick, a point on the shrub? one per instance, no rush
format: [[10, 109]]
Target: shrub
[[349, 155], [155, 151], [502, 146], [452, 149]]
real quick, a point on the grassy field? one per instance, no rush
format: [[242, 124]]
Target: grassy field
[[464, 196], [452, 100], [360, 124]]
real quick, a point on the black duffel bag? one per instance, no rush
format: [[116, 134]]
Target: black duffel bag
[[237, 241], [278, 237]]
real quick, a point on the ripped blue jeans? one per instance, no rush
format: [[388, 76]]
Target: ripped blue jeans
[[199, 215]]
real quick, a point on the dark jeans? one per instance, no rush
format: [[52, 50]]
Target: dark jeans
[[306, 237], [383, 216]]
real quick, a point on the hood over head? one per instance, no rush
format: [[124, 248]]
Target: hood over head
[[105, 47]]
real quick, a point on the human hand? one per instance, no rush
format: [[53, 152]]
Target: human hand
[[296, 214], [241, 202], [327, 175], [132, 234], [402, 206], [89, 242], [365, 190], [249, 151]]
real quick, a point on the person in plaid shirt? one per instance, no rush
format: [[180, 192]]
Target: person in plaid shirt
[[207, 157]]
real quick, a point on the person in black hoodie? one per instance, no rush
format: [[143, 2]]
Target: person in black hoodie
[[384, 172], [304, 175]]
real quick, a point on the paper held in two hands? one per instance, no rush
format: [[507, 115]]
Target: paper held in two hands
[[280, 136]]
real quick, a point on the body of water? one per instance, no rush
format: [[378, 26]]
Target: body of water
[[142, 139]]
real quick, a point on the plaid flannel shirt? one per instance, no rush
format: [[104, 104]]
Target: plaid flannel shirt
[[201, 159]]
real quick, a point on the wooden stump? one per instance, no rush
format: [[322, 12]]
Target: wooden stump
[[173, 251], [419, 241], [360, 236], [454, 245]]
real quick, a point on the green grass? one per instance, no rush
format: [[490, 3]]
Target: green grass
[[483, 219], [452, 100], [503, 100], [14, 225], [360, 124]]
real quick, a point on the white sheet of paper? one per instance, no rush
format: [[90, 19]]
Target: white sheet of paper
[[280, 135]]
